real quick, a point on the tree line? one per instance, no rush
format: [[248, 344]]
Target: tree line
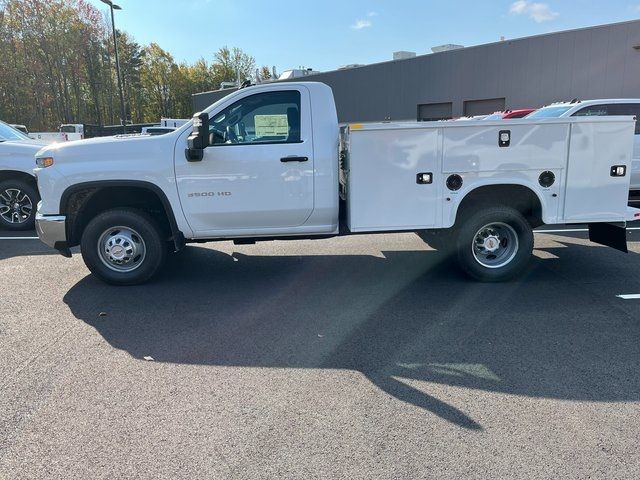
[[57, 66]]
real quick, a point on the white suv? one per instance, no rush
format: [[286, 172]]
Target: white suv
[[609, 106]]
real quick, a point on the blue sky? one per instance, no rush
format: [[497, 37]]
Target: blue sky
[[329, 33]]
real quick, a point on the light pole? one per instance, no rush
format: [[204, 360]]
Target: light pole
[[123, 113]]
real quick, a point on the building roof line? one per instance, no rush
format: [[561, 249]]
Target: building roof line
[[459, 50]]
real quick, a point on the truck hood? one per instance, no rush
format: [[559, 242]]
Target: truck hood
[[101, 147], [18, 155]]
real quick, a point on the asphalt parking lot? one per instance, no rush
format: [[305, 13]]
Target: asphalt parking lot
[[358, 357]]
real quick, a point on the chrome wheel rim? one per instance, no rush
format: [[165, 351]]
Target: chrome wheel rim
[[495, 245], [15, 206], [121, 249]]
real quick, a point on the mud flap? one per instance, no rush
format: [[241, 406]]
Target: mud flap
[[609, 234]]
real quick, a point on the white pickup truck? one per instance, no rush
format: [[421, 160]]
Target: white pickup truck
[[270, 162], [66, 133]]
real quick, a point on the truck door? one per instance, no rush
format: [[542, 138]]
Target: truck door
[[258, 172]]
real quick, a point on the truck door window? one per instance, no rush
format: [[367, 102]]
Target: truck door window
[[270, 117]]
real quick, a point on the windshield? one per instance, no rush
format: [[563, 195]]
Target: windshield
[[495, 116], [10, 133], [550, 112]]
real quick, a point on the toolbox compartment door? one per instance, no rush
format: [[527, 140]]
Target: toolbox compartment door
[[592, 192], [386, 165]]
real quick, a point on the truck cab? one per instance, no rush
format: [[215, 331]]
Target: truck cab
[[269, 167]]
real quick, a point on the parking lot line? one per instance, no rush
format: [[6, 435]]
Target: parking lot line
[[635, 296], [18, 238], [573, 230]]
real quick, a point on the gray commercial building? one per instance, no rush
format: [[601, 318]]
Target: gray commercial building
[[595, 62]]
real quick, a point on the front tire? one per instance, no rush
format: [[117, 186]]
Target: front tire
[[18, 202], [494, 244], [123, 247]]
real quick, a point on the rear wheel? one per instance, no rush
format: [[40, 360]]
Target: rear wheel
[[123, 247], [18, 202], [494, 244]]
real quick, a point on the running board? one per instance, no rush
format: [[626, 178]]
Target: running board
[[610, 235]]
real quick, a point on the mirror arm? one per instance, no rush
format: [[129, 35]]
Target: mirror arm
[[193, 154]]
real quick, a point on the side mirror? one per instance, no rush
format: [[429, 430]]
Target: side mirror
[[199, 138]]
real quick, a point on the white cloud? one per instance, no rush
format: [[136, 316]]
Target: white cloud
[[361, 23], [538, 12], [366, 22]]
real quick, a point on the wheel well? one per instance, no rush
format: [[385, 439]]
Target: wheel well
[[17, 175], [83, 204], [519, 197]]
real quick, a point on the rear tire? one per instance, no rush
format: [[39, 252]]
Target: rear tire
[[123, 247], [18, 203], [494, 244]]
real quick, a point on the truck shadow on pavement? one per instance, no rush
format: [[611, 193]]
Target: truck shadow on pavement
[[403, 318], [22, 244]]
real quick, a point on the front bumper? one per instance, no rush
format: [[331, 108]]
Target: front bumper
[[52, 230]]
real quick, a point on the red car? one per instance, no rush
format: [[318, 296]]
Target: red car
[[507, 114]]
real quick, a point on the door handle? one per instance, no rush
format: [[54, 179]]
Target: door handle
[[294, 159]]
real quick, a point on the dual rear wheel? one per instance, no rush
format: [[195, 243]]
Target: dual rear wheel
[[493, 244]]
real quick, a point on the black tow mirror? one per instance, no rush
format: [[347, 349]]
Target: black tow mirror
[[199, 138]]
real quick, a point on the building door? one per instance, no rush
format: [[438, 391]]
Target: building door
[[432, 112], [483, 107]]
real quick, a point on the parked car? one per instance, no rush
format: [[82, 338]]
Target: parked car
[[270, 162], [18, 190], [603, 107], [473, 118], [509, 114]]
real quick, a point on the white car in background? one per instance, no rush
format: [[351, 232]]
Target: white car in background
[[603, 107], [18, 190]]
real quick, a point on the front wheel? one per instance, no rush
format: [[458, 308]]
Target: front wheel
[[18, 201], [123, 247], [494, 244]]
